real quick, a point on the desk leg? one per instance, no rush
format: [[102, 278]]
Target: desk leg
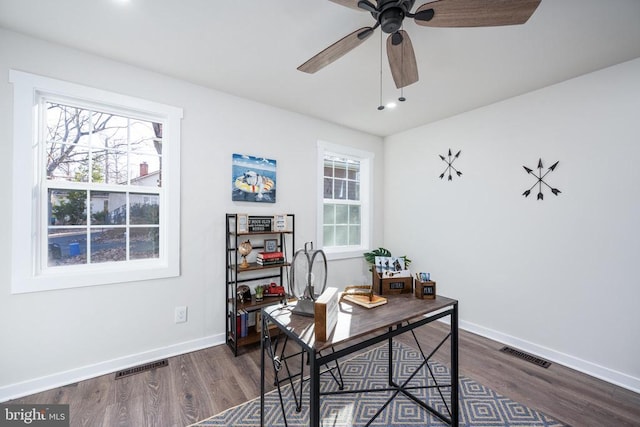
[[454, 366], [314, 390], [390, 360]]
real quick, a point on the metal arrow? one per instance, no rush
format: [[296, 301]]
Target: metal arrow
[[450, 166], [540, 180]]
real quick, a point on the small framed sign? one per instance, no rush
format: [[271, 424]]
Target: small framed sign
[[260, 223], [242, 225], [326, 309], [280, 222], [270, 245]]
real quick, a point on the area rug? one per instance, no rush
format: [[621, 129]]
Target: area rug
[[479, 405]]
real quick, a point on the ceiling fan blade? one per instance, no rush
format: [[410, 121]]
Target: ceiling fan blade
[[351, 4], [336, 50], [475, 13], [402, 59]]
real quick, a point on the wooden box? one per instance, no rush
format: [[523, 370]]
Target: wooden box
[[425, 290], [392, 285]]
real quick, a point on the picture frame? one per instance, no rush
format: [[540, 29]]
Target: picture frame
[[253, 179], [242, 223], [270, 245], [258, 224], [280, 222]]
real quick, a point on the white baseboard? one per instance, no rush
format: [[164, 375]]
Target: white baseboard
[[36, 385], [584, 366]]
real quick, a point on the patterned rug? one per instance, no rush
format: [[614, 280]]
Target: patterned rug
[[479, 405]]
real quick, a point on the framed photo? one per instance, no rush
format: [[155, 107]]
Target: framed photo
[[270, 245], [242, 225]]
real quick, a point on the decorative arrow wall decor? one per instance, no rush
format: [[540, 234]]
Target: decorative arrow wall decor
[[540, 180], [449, 161]]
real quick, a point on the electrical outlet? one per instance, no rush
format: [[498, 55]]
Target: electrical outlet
[[180, 314]]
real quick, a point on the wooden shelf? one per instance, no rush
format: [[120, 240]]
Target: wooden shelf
[[253, 266], [253, 336], [253, 233], [266, 301]]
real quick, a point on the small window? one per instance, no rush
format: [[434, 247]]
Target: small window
[[105, 169], [344, 218]]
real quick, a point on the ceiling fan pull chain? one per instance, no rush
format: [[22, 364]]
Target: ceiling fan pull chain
[[380, 106], [402, 98]]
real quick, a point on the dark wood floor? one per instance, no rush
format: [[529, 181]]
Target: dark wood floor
[[200, 384]]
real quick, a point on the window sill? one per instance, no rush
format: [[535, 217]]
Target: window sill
[[343, 253]]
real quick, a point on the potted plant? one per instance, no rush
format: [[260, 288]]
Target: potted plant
[[370, 257]]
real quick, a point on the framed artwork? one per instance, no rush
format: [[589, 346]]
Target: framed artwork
[[253, 179], [270, 245]]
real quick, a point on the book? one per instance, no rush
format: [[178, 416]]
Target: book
[[363, 300], [245, 323], [274, 261], [270, 255], [242, 320]]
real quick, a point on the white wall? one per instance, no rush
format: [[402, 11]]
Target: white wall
[[51, 338], [557, 277]]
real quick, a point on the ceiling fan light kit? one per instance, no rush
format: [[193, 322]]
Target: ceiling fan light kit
[[390, 14]]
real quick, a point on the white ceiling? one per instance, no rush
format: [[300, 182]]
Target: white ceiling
[[251, 49]]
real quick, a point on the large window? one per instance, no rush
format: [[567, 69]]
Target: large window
[[100, 185], [345, 216]]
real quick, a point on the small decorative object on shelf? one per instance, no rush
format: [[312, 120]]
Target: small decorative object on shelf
[[244, 294], [258, 224], [243, 223], [270, 245], [259, 292], [273, 290], [245, 249], [280, 222]]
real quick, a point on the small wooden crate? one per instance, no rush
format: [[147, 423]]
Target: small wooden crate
[[392, 285], [425, 290]]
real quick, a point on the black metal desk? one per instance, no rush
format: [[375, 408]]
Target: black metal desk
[[358, 328]]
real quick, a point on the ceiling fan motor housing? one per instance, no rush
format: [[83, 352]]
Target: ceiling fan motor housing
[[391, 13]]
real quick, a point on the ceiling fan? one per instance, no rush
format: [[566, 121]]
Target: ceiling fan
[[389, 15]]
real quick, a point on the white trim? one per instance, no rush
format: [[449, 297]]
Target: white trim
[[25, 273], [609, 375], [366, 200], [36, 385]]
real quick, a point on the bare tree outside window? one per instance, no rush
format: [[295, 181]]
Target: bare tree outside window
[[103, 151]]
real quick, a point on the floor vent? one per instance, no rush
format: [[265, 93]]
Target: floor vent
[[525, 356], [141, 368]]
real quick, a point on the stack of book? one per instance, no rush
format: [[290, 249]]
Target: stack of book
[[270, 258]]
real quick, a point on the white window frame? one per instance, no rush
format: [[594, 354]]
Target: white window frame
[[28, 206], [366, 207]]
